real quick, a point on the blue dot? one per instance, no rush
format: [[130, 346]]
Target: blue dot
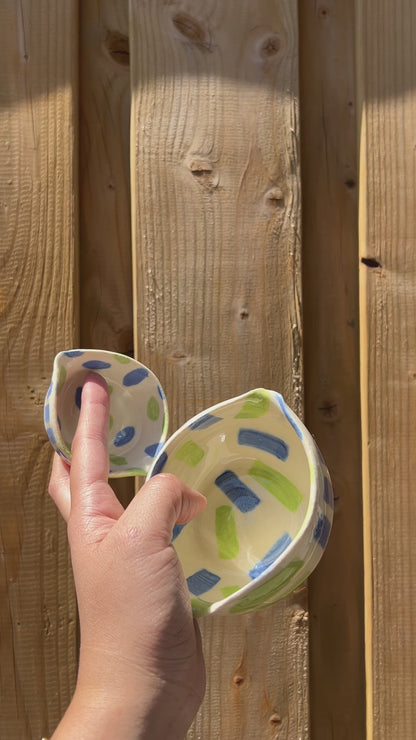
[[124, 436], [152, 450], [74, 353], [202, 581], [96, 365], [78, 394], [134, 377]]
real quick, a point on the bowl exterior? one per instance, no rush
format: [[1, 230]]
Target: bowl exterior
[[138, 409]]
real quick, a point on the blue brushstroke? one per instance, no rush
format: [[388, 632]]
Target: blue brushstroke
[[177, 530], [263, 441], [285, 410], [78, 394], [74, 353], [328, 494], [46, 414], [160, 464], [279, 546], [322, 530], [204, 421], [202, 581], [239, 494], [152, 450]]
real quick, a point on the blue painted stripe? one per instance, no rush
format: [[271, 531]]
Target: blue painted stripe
[[161, 393], [239, 494], [328, 494], [49, 391], [288, 416], [271, 555], [177, 530], [46, 414], [160, 464], [204, 421], [322, 530], [134, 377], [96, 365], [51, 436], [263, 441], [202, 581]]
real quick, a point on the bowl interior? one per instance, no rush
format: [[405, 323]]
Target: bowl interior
[[247, 457], [138, 414]]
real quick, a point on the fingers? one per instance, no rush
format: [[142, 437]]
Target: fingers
[[91, 495], [163, 502], [59, 486]]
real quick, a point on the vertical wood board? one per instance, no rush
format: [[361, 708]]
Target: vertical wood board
[[331, 358], [216, 246], [38, 312], [386, 72]]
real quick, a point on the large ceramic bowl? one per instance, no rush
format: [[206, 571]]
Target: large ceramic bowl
[[138, 410], [270, 503]]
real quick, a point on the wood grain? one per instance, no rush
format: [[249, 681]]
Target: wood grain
[[216, 245], [386, 71], [106, 309], [38, 315], [331, 357]]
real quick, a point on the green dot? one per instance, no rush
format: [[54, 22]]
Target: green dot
[[255, 405], [122, 359], [153, 409], [116, 460], [190, 453], [226, 532]]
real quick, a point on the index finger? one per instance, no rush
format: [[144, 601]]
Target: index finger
[[90, 492]]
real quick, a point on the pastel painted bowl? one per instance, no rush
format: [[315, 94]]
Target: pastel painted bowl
[[138, 409], [270, 502]]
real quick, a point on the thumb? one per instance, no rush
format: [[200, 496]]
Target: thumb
[[160, 504]]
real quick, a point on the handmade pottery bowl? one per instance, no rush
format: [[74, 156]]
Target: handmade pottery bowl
[[269, 502], [138, 410]]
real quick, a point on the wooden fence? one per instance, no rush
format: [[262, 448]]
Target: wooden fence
[[226, 189]]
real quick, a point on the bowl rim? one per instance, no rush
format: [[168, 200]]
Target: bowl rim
[[316, 464]]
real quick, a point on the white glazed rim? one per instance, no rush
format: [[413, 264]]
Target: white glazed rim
[[315, 464]]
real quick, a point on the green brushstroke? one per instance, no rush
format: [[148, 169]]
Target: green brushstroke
[[199, 607], [111, 422], [153, 409], [229, 590], [122, 359], [264, 592], [190, 453], [277, 484], [61, 379], [115, 460], [226, 532], [255, 405]]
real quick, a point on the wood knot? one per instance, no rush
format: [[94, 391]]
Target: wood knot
[[117, 45], [238, 680], [192, 31], [202, 170], [275, 719], [270, 46], [274, 198]]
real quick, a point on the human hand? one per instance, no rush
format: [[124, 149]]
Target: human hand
[[141, 670]]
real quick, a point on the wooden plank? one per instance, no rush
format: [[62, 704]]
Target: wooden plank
[[106, 310], [216, 216], [331, 357], [386, 70], [38, 98]]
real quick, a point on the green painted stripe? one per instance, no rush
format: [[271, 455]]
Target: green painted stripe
[[229, 590], [111, 422], [190, 453], [277, 484], [115, 460], [264, 592], [61, 379], [199, 607], [153, 409], [226, 532], [255, 405]]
